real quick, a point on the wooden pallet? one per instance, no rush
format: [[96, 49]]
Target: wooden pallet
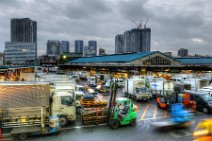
[[94, 118]]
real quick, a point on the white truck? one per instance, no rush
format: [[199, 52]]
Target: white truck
[[26, 109], [68, 91], [197, 83], [136, 88], [159, 85]]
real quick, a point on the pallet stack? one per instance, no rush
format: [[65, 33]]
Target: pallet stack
[[94, 110], [93, 102]]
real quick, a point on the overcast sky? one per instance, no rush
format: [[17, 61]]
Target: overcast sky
[[174, 23]]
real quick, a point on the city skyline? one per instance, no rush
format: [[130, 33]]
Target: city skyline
[[174, 24]]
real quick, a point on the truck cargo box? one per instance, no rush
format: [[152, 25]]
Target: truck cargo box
[[24, 94]]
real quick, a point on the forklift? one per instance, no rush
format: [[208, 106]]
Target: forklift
[[121, 111], [165, 99]]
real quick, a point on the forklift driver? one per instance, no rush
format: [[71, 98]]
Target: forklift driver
[[123, 110]]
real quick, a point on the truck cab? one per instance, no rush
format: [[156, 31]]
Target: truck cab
[[63, 104]]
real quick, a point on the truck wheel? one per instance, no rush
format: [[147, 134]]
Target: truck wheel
[[63, 120], [205, 110], [133, 122], [22, 136], [114, 124]]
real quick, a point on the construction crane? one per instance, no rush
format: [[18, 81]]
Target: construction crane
[[139, 26], [146, 22]]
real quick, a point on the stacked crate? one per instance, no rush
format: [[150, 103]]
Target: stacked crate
[[94, 110]]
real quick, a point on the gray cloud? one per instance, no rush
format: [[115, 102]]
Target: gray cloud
[[175, 24]]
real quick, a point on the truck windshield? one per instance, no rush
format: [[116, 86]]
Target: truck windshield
[[141, 90], [207, 97], [66, 100], [81, 89]]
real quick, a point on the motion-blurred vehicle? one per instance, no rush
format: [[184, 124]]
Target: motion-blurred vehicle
[[180, 117], [203, 131], [165, 99]]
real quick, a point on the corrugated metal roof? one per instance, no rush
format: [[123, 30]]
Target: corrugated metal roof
[[113, 58], [195, 61]]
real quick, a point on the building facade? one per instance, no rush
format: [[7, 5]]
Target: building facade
[[1, 59], [127, 42], [92, 44], [53, 47], [19, 53], [101, 52], [182, 52], [23, 30], [119, 44], [168, 53], [78, 46], [89, 51], [64, 46], [135, 40]]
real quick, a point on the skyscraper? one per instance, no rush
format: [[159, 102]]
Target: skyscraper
[[23, 30], [182, 52], [23, 46], [53, 47], [64, 46], [92, 44], [119, 44], [78, 46], [134, 40], [127, 42], [92, 48]]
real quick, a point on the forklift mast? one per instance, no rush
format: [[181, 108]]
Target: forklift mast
[[113, 95]]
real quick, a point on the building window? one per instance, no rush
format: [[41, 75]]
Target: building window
[[157, 61]]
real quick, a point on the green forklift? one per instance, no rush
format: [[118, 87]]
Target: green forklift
[[121, 111]]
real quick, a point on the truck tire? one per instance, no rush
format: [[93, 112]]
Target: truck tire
[[22, 136], [63, 120], [114, 124], [205, 110], [133, 122]]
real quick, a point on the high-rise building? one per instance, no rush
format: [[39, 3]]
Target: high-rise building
[[64, 46], [146, 39], [182, 52], [23, 30], [127, 42], [22, 49], [119, 44], [78, 46], [90, 50], [53, 47], [135, 40], [92, 44]]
